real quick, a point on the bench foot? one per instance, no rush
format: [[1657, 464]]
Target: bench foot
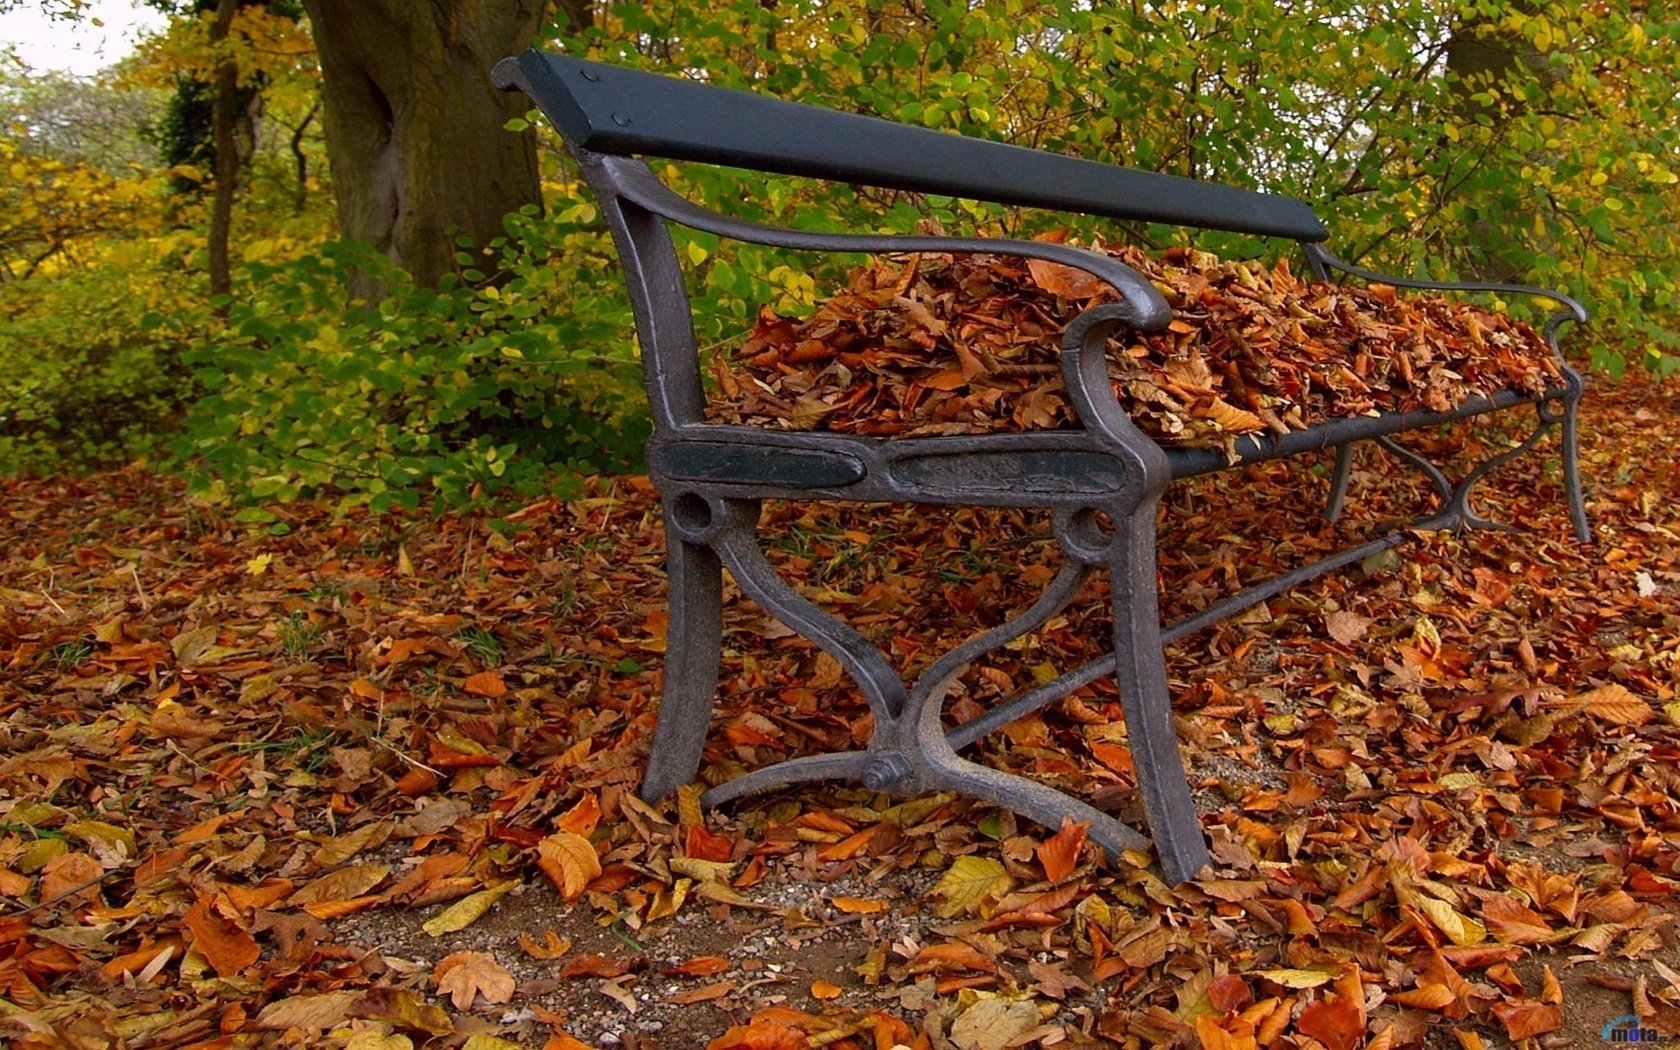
[[694, 635]]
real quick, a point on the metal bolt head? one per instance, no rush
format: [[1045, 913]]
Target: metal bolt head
[[590, 75], [621, 120], [886, 772]]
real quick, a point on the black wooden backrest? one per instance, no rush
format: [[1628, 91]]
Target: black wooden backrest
[[609, 109]]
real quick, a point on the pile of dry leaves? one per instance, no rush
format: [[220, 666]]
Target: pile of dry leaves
[[943, 344]]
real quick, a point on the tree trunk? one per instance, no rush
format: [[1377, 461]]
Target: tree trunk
[[223, 114], [414, 129]]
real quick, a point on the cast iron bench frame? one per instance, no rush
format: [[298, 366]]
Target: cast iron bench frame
[[712, 477]]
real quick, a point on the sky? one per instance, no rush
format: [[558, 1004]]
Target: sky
[[77, 47]]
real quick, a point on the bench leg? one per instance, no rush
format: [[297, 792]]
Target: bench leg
[[1141, 672], [1339, 483], [1570, 421], [694, 635]]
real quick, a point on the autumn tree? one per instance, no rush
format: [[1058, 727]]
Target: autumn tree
[[416, 135]]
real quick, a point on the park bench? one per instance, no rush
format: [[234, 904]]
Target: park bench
[[1101, 482]]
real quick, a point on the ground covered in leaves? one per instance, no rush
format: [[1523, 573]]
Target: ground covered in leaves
[[293, 778]]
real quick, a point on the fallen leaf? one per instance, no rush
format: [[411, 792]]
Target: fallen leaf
[[307, 1011], [858, 905], [467, 910], [1524, 1019], [485, 683], [967, 883], [218, 936], [993, 1024], [1614, 703], [1059, 854], [569, 861], [464, 976]]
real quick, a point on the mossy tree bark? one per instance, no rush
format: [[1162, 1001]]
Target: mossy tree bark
[[415, 131]]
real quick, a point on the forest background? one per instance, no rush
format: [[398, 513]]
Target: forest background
[[265, 252]]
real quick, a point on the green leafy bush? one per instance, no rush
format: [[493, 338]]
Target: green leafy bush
[[90, 374], [515, 376]]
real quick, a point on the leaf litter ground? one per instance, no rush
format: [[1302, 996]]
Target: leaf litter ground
[[368, 781]]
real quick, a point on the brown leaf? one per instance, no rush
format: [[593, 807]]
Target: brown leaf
[[701, 994], [553, 945], [464, 976], [218, 936], [1346, 627], [342, 884], [594, 966], [1065, 281]]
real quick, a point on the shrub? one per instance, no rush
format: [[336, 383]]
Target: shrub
[[515, 378], [90, 373]]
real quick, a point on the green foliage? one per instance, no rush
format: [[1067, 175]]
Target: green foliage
[[1556, 167], [88, 376], [489, 382]]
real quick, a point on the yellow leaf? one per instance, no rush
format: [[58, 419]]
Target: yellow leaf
[[1462, 931], [967, 882], [1291, 978], [258, 565], [467, 910]]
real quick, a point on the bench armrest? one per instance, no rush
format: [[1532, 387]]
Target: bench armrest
[[1572, 309], [1145, 308]]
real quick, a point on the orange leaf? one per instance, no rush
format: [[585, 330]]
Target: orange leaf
[[1213, 1037], [1335, 1022], [760, 1035], [1116, 757], [703, 844], [268, 893], [699, 966], [569, 861], [952, 380], [952, 955], [850, 846], [1511, 923], [1614, 703], [1527, 1018], [859, 906], [324, 910], [1059, 854], [824, 990], [582, 818], [217, 935], [485, 683]]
